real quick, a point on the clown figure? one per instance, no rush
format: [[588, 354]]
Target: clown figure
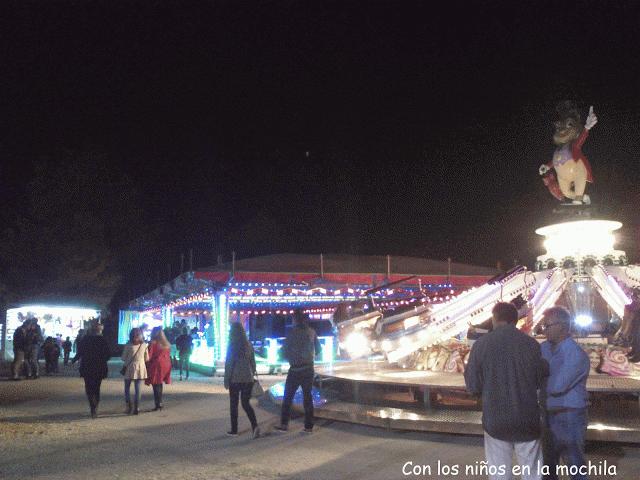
[[572, 169]]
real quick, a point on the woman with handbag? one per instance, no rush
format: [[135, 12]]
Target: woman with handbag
[[239, 377], [159, 365], [134, 356]]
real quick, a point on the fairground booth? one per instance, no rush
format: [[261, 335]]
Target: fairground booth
[[263, 292], [58, 321]]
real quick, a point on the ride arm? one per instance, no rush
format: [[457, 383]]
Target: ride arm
[[471, 307], [610, 290]]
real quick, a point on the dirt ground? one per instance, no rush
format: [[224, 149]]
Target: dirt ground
[[46, 433]]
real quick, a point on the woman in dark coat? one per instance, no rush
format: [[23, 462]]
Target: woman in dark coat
[[93, 352], [239, 374]]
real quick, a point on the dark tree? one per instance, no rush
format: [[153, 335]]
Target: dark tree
[[72, 233]]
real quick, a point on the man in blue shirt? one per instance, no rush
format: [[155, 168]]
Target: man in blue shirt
[[565, 395]]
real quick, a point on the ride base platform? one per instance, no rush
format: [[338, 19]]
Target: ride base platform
[[372, 393]]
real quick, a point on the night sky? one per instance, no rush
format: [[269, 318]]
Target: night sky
[[369, 127]]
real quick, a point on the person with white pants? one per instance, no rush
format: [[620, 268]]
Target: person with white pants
[[506, 368], [500, 453]]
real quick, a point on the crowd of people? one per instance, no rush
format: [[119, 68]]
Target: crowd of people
[[29, 345], [151, 363], [27, 340], [534, 397]]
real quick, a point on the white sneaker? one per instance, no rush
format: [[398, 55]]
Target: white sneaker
[[256, 432], [576, 202], [586, 199]]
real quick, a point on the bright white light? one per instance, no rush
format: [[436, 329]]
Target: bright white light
[[583, 320], [386, 345], [581, 288], [411, 322], [356, 344], [574, 239], [53, 320]]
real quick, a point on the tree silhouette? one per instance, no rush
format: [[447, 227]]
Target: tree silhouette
[[72, 234]]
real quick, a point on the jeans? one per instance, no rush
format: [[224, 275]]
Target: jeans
[[298, 378], [18, 362], [157, 394], [51, 365], [31, 356], [242, 390], [66, 357], [184, 361], [499, 454], [92, 389], [564, 438], [136, 386]]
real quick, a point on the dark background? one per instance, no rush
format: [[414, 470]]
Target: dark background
[[374, 127]]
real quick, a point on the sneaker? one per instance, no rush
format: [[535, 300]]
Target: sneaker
[[281, 428], [256, 432], [307, 430], [232, 434]]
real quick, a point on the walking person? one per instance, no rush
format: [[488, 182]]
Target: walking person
[[93, 353], [184, 343], [239, 376], [19, 345], [77, 339], [506, 368], [565, 394], [33, 340], [66, 348], [159, 365], [135, 355], [51, 352], [300, 349]]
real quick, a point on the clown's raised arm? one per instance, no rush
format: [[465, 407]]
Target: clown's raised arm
[[591, 119]]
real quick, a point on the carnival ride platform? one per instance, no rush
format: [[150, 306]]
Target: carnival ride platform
[[375, 394]]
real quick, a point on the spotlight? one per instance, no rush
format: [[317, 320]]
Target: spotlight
[[357, 345], [583, 320]]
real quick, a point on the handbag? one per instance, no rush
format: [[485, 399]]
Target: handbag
[[256, 389], [123, 370]]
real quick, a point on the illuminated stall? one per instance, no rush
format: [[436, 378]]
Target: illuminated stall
[[57, 321], [262, 293]]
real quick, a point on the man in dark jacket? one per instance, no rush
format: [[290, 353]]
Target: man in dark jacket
[[93, 352], [506, 367], [33, 339], [184, 343], [66, 348], [19, 343], [300, 348]]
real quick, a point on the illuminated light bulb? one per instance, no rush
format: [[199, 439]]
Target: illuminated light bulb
[[356, 344], [583, 320]]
